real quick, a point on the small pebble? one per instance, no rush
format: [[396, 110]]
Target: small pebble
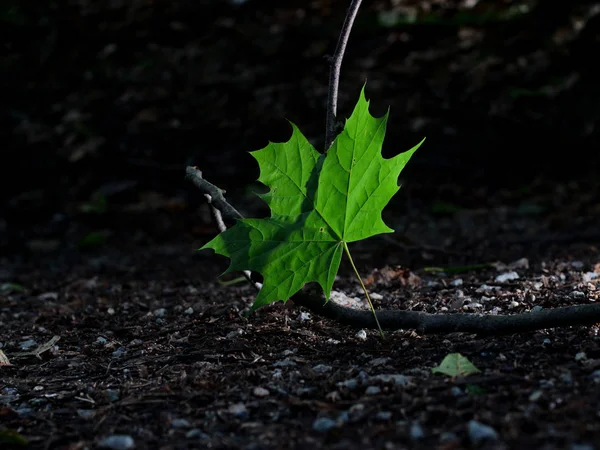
[[479, 432], [513, 304], [48, 296], [101, 340], [580, 356], [86, 414], [383, 416], [189, 311], [27, 344], [379, 361], [180, 423], [260, 392], [457, 282], [536, 395], [113, 394], [577, 265], [119, 352], [117, 442], [416, 431], [160, 312], [323, 424], [396, 378], [456, 391], [589, 276], [508, 276], [284, 363], [196, 433], [536, 308], [321, 368], [352, 383], [577, 294], [303, 316], [362, 335], [239, 410], [373, 390]]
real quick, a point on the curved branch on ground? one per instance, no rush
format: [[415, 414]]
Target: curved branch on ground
[[423, 323]]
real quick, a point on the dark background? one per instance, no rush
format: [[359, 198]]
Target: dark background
[[105, 103]]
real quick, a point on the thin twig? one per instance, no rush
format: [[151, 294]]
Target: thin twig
[[335, 66], [424, 323], [195, 176]]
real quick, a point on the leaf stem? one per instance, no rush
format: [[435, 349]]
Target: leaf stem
[[364, 288]]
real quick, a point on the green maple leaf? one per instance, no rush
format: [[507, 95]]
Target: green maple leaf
[[319, 203]]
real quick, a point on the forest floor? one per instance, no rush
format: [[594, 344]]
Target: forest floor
[[153, 352]]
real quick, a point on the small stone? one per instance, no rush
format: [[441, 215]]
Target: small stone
[[117, 442], [321, 368], [485, 288], [110, 311], [27, 344], [160, 312], [303, 316], [260, 392], [581, 356], [536, 308], [323, 424], [577, 265], [448, 436], [457, 282], [189, 311], [416, 431], [86, 414], [508, 276], [546, 341], [373, 390], [284, 363], [513, 304], [396, 378], [235, 333], [101, 340], [180, 423], [479, 433], [48, 296], [383, 416], [582, 447], [362, 335], [352, 383], [239, 410], [456, 391], [196, 433], [577, 294], [379, 361], [566, 378], [119, 352], [473, 305], [589, 276], [595, 376], [376, 296], [113, 394], [536, 395]]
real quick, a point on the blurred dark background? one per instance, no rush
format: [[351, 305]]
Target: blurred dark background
[[105, 102]]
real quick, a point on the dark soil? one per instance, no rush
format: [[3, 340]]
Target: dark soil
[[98, 235]]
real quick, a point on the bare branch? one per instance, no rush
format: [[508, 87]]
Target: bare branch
[[213, 196], [194, 175], [335, 66], [423, 323]]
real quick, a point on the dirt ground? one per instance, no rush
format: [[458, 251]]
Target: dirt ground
[[114, 329]]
